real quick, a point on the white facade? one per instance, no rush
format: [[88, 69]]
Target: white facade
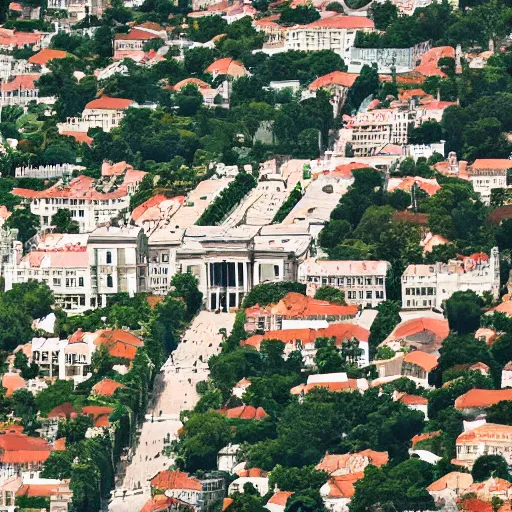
[[427, 286], [108, 261], [363, 282], [488, 174]]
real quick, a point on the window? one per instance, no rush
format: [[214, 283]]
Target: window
[[369, 294], [110, 280], [56, 282], [165, 258], [80, 281], [81, 213], [109, 257]]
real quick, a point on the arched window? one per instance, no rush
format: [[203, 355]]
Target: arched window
[[110, 281], [109, 257]]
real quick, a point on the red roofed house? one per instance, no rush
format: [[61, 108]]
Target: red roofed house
[[91, 202], [21, 90], [335, 33], [428, 65], [162, 503], [254, 476], [99, 414], [417, 365], [427, 286], [296, 311], [120, 343], [304, 340], [104, 112], [11, 39], [12, 382], [488, 173], [337, 492], [363, 282], [448, 488], [338, 83], [126, 44], [19, 452], [423, 333], [413, 402], [488, 439], [192, 491]]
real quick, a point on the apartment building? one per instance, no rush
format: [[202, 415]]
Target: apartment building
[[83, 270], [427, 286], [22, 90], [337, 33], [367, 132], [79, 9], [363, 282], [488, 439], [91, 202], [488, 174], [133, 41]]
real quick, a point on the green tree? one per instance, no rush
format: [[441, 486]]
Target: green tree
[[388, 317], [501, 349], [300, 15], [186, 286], [15, 326], [334, 232], [58, 465], [74, 429], [500, 413], [383, 14], [328, 358], [25, 222], [463, 310], [488, 466], [60, 392], [297, 479], [84, 484], [63, 222], [271, 293], [33, 297], [330, 294]]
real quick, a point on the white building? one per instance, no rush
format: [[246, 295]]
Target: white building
[[91, 202], [337, 33], [105, 113], [427, 286], [79, 9], [83, 270], [363, 282], [488, 174]]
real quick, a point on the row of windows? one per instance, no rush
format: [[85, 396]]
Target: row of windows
[[347, 281], [428, 290], [362, 295]]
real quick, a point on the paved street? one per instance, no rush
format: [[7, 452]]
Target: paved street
[[175, 391]]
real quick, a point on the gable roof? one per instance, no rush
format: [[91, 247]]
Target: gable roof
[[99, 414], [227, 66], [64, 410], [453, 480], [340, 22], [279, 498], [136, 35], [352, 462]]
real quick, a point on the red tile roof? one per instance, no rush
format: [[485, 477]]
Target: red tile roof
[[136, 35], [504, 307], [422, 437], [335, 78], [99, 414], [426, 361], [352, 462], [454, 480], [79, 137], [252, 473], [159, 503], [175, 480], [191, 81], [438, 329], [12, 382], [226, 503], [120, 343], [345, 170], [280, 498], [502, 164], [413, 400], [475, 505], [22, 82], [342, 486], [348, 385], [46, 54], [38, 490], [227, 66], [152, 201], [245, 412], [64, 410], [341, 22], [21, 449], [482, 398], [429, 60], [107, 387], [59, 445], [107, 103]]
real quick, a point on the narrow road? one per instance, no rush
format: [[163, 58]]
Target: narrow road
[[174, 391]]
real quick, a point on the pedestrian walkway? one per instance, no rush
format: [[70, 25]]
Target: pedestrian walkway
[[174, 391]]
